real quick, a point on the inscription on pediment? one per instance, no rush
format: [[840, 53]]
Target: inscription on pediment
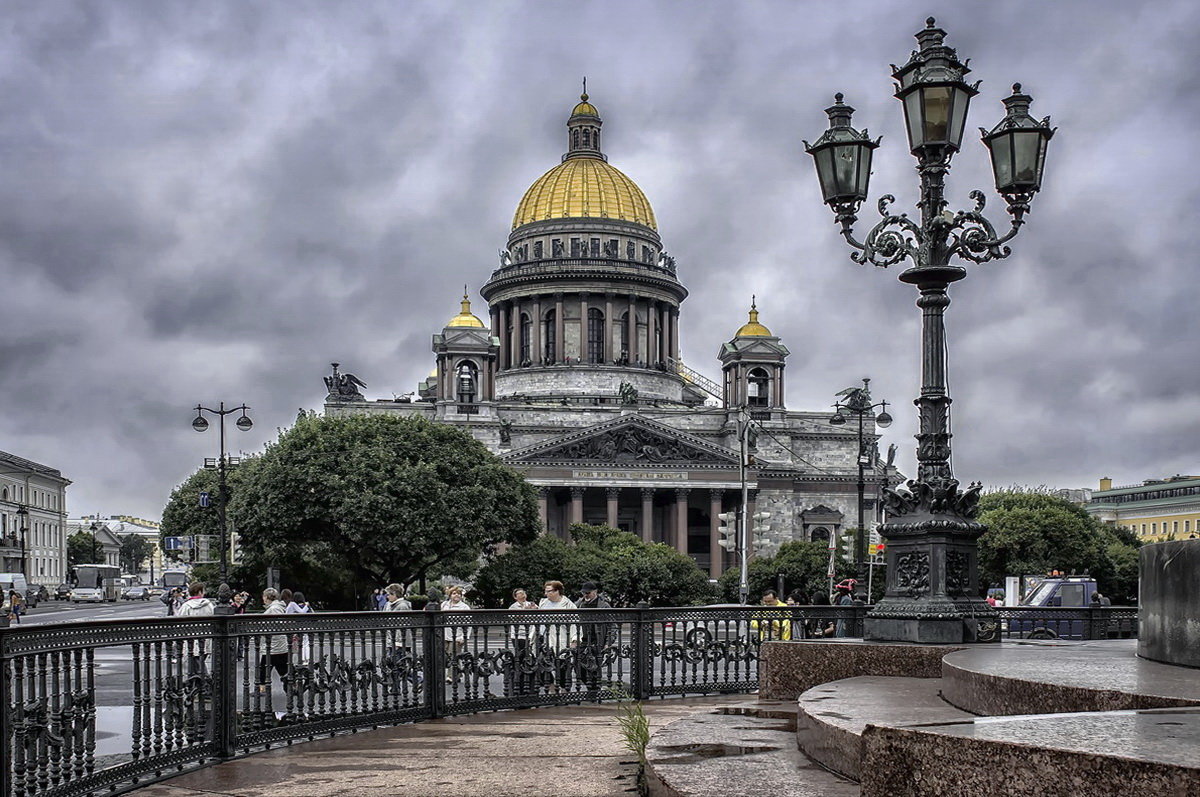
[[629, 445]]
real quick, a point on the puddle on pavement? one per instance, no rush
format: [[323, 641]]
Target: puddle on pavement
[[695, 753]]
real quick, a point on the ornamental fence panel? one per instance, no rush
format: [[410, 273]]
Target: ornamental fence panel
[[105, 707]]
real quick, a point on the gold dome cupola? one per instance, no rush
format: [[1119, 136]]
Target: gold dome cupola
[[465, 317], [583, 130], [752, 328]]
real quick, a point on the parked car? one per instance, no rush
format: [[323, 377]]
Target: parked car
[[62, 592], [136, 593], [36, 593]]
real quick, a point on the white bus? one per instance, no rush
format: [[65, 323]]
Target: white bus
[[96, 583]]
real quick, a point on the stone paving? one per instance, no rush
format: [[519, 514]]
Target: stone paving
[[574, 751]]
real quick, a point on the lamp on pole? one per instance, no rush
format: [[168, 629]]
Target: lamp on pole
[[94, 528], [200, 424], [932, 590], [23, 514], [857, 401]]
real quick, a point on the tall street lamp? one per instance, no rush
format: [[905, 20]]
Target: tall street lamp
[[932, 590], [23, 514], [857, 401], [200, 424]]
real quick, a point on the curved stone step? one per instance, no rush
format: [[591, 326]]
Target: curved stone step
[[716, 755], [1058, 677], [832, 716]]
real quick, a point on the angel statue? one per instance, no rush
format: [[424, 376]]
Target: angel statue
[[343, 387]]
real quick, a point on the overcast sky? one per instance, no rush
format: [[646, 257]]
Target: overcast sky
[[207, 201]]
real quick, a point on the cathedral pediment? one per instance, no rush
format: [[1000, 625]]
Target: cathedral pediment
[[628, 441]]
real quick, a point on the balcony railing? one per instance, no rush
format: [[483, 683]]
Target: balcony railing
[[105, 707]]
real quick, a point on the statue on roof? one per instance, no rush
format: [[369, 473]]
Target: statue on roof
[[343, 387]]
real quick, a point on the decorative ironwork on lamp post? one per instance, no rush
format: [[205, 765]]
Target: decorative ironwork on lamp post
[[23, 515], [200, 424], [857, 401], [932, 591]]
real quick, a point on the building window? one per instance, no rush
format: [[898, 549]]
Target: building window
[[596, 139], [575, 139], [820, 534], [1174, 526], [595, 336], [575, 247], [623, 336], [1187, 526], [537, 250], [758, 387], [526, 340], [465, 378], [595, 242], [549, 330], [587, 138]]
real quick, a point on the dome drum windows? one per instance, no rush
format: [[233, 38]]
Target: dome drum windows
[[526, 341], [550, 337], [595, 336]]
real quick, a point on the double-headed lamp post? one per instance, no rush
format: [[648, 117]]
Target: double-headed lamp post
[[23, 514], [857, 401], [200, 424], [932, 589]]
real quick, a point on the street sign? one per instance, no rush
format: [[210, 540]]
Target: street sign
[[177, 543], [204, 500]]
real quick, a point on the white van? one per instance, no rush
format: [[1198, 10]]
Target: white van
[[10, 581]]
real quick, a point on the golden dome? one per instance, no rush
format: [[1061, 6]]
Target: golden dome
[[753, 329], [585, 108], [584, 187], [465, 317]]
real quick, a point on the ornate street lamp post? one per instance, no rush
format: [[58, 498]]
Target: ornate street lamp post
[[23, 514], [932, 591], [200, 424], [857, 401]]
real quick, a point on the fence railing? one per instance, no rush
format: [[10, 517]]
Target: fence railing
[[104, 707]]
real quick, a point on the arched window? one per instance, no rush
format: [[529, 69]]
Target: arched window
[[574, 139], [549, 330], [758, 388], [596, 139], [595, 336], [587, 138], [623, 337], [465, 382], [820, 534], [526, 340]]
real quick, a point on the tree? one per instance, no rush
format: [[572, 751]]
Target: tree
[[345, 503], [134, 551], [184, 517], [804, 566], [627, 569], [81, 548], [1035, 532]]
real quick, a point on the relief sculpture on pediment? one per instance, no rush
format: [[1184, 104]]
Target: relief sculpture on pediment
[[630, 445]]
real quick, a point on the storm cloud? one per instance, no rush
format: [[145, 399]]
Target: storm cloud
[[211, 201]]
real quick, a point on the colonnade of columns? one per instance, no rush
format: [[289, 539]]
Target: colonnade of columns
[[660, 514], [652, 333]]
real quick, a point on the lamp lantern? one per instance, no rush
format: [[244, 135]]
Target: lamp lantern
[[934, 94], [1018, 146], [843, 157]]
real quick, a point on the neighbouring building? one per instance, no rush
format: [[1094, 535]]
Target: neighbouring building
[[33, 501], [1157, 509], [576, 380], [107, 547]]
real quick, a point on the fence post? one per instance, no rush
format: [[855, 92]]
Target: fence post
[[224, 682], [642, 660], [6, 725], [434, 658]]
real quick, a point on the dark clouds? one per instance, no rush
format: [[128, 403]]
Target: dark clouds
[[210, 201]]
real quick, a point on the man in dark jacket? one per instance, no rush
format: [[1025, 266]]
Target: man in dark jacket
[[594, 637]]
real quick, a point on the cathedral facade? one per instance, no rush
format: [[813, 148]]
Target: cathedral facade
[[576, 380]]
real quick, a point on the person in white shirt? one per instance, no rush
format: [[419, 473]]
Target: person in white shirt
[[456, 636], [559, 637], [196, 605], [521, 679]]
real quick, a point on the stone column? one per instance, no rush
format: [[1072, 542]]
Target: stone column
[[779, 380], [648, 514], [613, 494], [607, 355], [515, 340], [559, 328], [502, 333], [716, 557], [649, 333], [673, 315], [543, 514], [583, 327], [681, 520], [535, 345], [631, 335], [576, 504]]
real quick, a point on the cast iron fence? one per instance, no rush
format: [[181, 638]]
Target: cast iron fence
[[89, 708]]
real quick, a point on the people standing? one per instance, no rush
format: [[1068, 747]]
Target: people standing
[[16, 606], [773, 625], [196, 605], [276, 655], [381, 597], [817, 625], [560, 639], [519, 634], [301, 641], [455, 636], [844, 592], [595, 637], [394, 600]]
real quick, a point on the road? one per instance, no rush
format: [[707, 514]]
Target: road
[[67, 612]]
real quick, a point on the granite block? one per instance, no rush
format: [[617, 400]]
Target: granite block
[[788, 669], [1169, 602]]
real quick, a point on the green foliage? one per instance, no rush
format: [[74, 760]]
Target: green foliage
[[134, 551], [635, 726], [1031, 533], [184, 517], [627, 569], [804, 566], [342, 504], [82, 549]]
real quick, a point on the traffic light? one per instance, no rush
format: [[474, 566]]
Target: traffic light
[[846, 546], [235, 548], [728, 530]]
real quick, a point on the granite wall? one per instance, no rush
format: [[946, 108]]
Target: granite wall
[[1170, 602], [788, 669]]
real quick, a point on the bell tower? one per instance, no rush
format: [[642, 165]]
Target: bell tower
[[752, 365], [466, 364]]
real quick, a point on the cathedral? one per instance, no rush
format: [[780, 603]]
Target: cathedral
[[576, 380]]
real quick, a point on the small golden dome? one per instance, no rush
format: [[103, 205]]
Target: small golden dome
[[585, 108], [753, 329], [584, 187], [465, 317]]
